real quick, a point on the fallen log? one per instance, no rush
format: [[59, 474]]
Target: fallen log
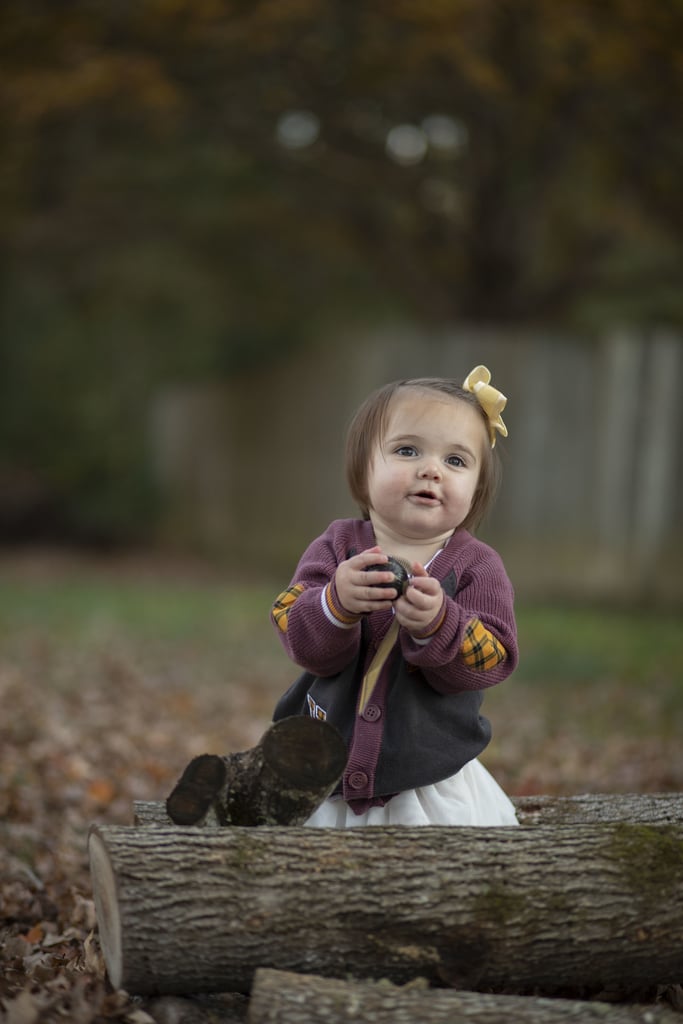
[[280, 781], [549, 909], [221, 1008], [584, 809], [598, 808], [308, 999]]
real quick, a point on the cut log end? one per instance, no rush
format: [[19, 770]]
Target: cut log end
[[306, 752], [281, 781], [196, 791], [106, 907]]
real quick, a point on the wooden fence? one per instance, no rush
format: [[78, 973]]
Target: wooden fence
[[592, 495]]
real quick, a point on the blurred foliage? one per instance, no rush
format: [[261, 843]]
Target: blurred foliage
[[189, 188]]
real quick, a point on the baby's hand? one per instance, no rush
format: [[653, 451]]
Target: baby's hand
[[421, 602], [359, 591]]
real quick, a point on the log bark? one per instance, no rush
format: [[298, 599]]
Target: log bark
[[584, 809], [598, 808], [280, 781], [307, 999], [224, 1008], [550, 909]]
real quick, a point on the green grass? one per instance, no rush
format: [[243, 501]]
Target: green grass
[[191, 632], [558, 644], [143, 609], [603, 671], [599, 664], [578, 645]]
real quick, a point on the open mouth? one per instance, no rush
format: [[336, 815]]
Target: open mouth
[[427, 496]]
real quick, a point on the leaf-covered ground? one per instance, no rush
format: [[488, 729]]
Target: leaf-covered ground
[[114, 674]]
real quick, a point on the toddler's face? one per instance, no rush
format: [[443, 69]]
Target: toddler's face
[[424, 472]]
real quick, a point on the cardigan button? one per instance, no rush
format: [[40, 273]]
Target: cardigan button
[[358, 780], [372, 713]]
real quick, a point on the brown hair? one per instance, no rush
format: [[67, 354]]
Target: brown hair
[[367, 429]]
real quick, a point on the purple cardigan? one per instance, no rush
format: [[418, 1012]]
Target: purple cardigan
[[423, 723]]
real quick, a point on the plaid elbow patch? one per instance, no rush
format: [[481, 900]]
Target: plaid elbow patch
[[480, 649], [283, 604]]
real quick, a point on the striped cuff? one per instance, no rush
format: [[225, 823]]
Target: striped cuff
[[334, 610], [433, 627]]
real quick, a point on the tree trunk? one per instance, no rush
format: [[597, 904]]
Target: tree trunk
[[585, 809], [306, 999], [281, 781], [547, 909]]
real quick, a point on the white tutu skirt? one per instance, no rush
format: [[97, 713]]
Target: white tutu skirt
[[472, 797]]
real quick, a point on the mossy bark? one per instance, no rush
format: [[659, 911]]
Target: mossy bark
[[549, 909]]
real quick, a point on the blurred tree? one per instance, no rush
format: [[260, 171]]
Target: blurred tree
[[189, 185]]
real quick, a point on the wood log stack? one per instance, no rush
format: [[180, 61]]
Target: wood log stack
[[583, 901]]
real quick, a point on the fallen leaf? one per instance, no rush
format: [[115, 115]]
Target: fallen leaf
[[101, 791]]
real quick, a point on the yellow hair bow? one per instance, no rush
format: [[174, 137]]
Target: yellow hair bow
[[491, 400]]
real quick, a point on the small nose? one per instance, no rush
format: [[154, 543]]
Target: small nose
[[430, 470]]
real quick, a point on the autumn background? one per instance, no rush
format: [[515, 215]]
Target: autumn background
[[221, 224]]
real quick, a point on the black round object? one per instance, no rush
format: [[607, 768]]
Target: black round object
[[400, 569]]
